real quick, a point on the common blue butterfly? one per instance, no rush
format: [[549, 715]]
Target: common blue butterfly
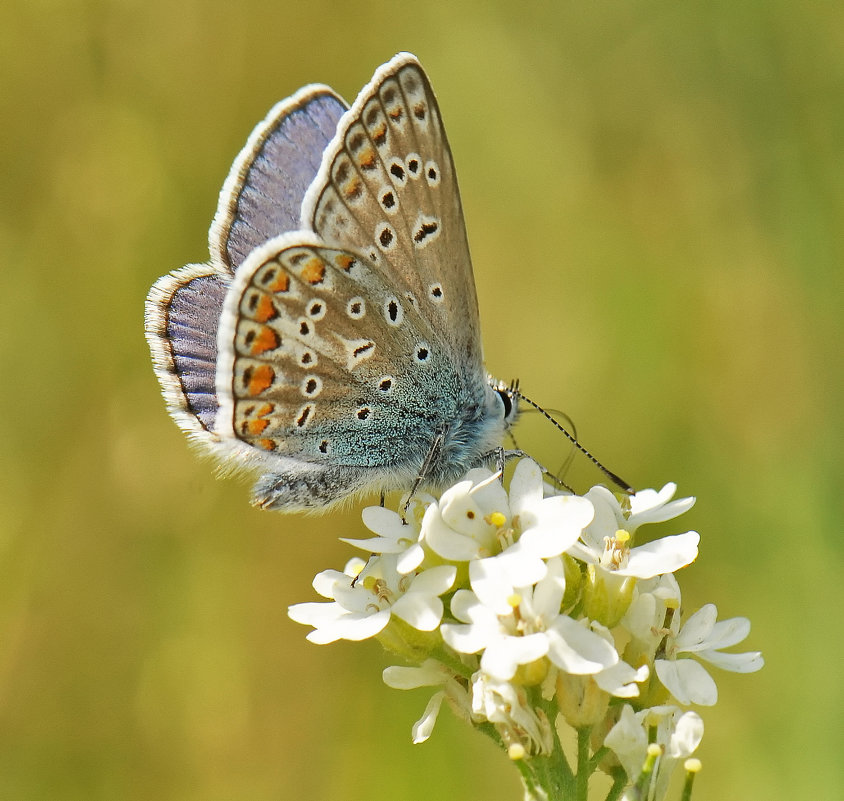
[[332, 342]]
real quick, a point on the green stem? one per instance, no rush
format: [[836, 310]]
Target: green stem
[[583, 771], [618, 784]]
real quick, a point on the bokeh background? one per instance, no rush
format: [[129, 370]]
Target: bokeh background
[[654, 194]]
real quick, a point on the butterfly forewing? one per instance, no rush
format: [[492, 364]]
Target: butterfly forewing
[[387, 189]]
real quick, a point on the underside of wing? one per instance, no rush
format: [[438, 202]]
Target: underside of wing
[[182, 315], [322, 360], [262, 196], [387, 189]]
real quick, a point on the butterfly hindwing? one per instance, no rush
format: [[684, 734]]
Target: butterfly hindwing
[[262, 196], [322, 361], [260, 199]]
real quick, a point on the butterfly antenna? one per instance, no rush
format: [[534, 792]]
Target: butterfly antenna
[[617, 480]]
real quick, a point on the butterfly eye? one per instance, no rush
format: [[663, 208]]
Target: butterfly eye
[[508, 402]]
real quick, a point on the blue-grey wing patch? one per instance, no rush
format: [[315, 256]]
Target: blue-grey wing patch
[[182, 317], [262, 196]]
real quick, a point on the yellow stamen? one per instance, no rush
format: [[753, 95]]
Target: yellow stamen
[[496, 519]]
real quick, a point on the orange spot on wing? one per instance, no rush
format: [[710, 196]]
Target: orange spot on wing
[[259, 378], [314, 271], [366, 159], [353, 189], [344, 261], [255, 427], [267, 339], [267, 444], [281, 283], [265, 309]]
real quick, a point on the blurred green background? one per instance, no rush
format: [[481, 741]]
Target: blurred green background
[[654, 194]]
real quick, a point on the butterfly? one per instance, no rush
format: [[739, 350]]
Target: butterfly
[[331, 344]]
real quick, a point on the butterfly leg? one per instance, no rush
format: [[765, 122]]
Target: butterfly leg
[[432, 454]]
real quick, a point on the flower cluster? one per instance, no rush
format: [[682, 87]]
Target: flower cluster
[[532, 610]]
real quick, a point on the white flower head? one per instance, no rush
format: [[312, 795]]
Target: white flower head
[[506, 706], [466, 522], [703, 636], [524, 626], [678, 733], [362, 608], [396, 534], [606, 540], [430, 674]]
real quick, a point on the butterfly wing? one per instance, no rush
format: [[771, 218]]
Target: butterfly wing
[[387, 189], [323, 371], [262, 195], [261, 198]]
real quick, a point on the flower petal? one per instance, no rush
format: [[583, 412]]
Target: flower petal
[[423, 612], [504, 655], [577, 650], [748, 662], [425, 725], [687, 681], [661, 556]]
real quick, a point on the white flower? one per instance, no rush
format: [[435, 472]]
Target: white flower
[[524, 626], [645, 617], [620, 679], [605, 541], [548, 526], [475, 518], [362, 608], [395, 535], [466, 522], [678, 732], [687, 680], [506, 705], [430, 674]]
